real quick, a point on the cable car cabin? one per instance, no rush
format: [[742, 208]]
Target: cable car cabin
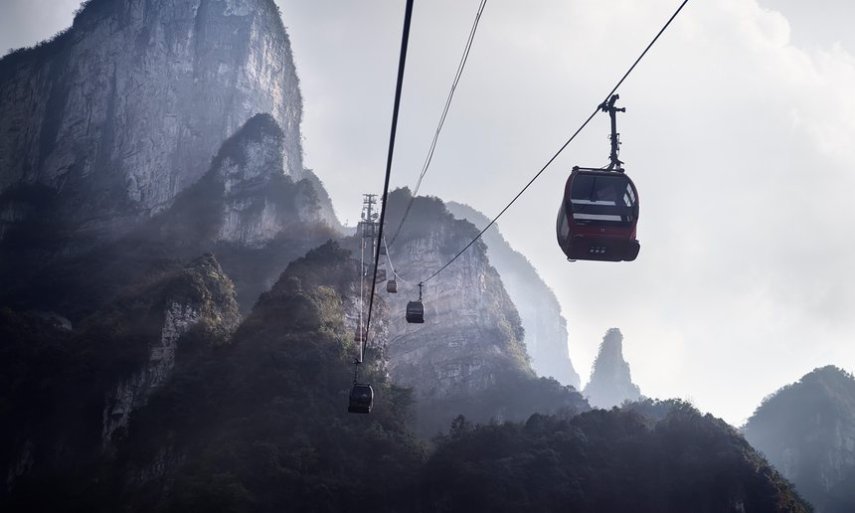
[[361, 399], [392, 286], [415, 312], [598, 216]]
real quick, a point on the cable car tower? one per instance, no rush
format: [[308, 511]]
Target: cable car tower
[[362, 394]]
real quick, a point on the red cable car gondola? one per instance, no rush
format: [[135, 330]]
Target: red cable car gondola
[[599, 212], [597, 219]]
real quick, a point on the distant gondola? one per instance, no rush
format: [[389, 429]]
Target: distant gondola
[[416, 309], [359, 334], [361, 399], [392, 286]]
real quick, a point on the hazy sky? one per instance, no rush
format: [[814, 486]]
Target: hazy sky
[[738, 134]]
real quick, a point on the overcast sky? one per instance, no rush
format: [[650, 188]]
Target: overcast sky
[[738, 134]]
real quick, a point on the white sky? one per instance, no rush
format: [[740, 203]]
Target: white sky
[[738, 134]]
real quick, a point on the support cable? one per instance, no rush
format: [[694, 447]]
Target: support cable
[[432, 148], [398, 88]]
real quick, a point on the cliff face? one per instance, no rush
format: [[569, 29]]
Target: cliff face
[[469, 356], [611, 382], [245, 210], [545, 327], [70, 394], [472, 332], [118, 115], [807, 431], [176, 410], [201, 296]]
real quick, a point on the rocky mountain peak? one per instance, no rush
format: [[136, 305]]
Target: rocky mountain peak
[[123, 111], [611, 382], [469, 357]]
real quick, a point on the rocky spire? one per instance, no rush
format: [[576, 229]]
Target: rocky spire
[[611, 383]]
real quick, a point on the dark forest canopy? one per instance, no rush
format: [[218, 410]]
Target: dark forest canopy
[[259, 423]]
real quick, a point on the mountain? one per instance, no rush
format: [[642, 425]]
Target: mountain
[[545, 327], [69, 392], [611, 383], [107, 123], [469, 357], [807, 431], [245, 210], [605, 462]]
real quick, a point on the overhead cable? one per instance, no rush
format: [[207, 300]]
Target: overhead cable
[[563, 146], [432, 148], [402, 61]]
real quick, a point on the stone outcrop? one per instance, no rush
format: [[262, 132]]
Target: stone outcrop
[[469, 357], [106, 370], [112, 119], [472, 333], [611, 382], [199, 294], [545, 327], [807, 431]]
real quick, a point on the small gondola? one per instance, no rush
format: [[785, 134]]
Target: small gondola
[[392, 286], [599, 211], [361, 398], [416, 310]]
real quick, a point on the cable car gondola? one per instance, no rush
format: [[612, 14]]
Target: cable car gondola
[[416, 310], [597, 219], [392, 286], [361, 398], [359, 334], [599, 212]]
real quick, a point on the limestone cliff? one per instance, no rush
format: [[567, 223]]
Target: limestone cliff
[[807, 431], [472, 332], [200, 296], [245, 210], [113, 118], [611, 382], [545, 327], [469, 356], [63, 418]]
